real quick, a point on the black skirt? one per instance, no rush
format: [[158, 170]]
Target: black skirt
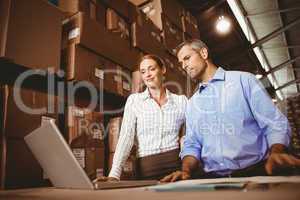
[[159, 165]]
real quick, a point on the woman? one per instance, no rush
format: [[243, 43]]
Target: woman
[[153, 118]]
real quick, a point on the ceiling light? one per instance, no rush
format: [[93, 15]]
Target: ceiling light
[[223, 25]]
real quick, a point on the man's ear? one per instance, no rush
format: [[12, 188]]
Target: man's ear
[[164, 70], [204, 53]]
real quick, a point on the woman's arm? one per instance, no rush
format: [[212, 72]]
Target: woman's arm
[[126, 138]]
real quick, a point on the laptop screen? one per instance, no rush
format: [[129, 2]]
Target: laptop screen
[[56, 158]]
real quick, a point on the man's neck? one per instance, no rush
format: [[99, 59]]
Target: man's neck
[[209, 73]]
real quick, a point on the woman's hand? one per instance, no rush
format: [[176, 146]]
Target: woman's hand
[[105, 179]]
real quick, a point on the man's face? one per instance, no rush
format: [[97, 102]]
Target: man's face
[[192, 61]]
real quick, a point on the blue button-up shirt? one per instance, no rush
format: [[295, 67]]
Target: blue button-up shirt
[[231, 122]]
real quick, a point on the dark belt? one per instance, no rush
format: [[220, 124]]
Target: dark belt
[[257, 169], [159, 165]]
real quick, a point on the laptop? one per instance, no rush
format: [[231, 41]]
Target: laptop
[[57, 160]]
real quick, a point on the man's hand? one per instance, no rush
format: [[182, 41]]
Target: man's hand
[[105, 179], [189, 164], [176, 176], [279, 158]]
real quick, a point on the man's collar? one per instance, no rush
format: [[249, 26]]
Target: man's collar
[[219, 75]]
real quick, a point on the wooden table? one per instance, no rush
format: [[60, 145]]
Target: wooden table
[[281, 191]]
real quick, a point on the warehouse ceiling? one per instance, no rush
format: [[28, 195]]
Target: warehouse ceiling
[[264, 39]]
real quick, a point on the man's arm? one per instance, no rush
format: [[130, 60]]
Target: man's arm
[[275, 127]]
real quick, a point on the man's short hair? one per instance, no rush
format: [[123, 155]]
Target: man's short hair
[[196, 44]]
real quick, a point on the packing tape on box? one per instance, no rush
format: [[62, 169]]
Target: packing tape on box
[[74, 33], [99, 73]]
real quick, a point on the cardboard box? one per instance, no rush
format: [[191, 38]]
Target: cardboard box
[[156, 8], [31, 28], [138, 2], [74, 6], [146, 36], [21, 169], [81, 64], [85, 135], [91, 160], [186, 36], [175, 82], [121, 7], [26, 111], [114, 127], [126, 82], [84, 128], [190, 26], [172, 35], [176, 79], [79, 29], [137, 82], [117, 25], [92, 9]]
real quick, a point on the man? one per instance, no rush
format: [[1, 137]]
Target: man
[[232, 126]]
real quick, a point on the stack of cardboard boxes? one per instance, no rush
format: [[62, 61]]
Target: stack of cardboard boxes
[[98, 42], [21, 115], [30, 33], [85, 131]]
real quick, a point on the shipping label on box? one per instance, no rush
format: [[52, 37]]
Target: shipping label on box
[[79, 154]]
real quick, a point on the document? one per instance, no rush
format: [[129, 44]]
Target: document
[[222, 183]]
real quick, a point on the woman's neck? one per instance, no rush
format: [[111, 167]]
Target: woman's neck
[[159, 95]]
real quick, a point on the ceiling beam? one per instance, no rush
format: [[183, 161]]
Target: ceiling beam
[[273, 12], [275, 33], [281, 47], [282, 65], [296, 81]]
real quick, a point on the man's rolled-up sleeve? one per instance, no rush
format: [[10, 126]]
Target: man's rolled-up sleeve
[[191, 143]]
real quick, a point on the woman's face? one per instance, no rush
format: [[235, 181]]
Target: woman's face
[[152, 74]]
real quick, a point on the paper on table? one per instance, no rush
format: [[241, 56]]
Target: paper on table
[[196, 187], [210, 182]]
